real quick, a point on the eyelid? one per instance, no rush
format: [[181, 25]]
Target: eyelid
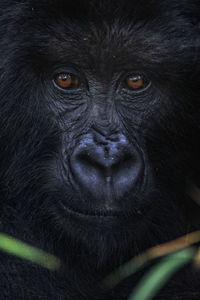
[[67, 68], [129, 92], [137, 91]]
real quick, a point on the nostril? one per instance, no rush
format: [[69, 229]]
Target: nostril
[[99, 159], [88, 160]]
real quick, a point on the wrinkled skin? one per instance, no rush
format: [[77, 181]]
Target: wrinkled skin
[[97, 172]]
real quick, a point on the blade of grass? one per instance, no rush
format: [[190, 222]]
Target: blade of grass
[[20, 249], [158, 275], [126, 270], [142, 260]]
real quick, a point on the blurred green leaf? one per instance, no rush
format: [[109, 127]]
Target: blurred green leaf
[[127, 269], [20, 249], [138, 262], [159, 274]]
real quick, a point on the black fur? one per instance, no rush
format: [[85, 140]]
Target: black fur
[[41, 126]]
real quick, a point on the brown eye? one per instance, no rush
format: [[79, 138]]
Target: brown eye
[[136, 82], [67, 81]]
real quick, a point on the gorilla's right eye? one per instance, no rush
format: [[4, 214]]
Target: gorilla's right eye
[[67, 81]]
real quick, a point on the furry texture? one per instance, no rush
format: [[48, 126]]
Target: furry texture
[[41, 125]]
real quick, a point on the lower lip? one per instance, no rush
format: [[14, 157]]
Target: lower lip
[[88, 214]]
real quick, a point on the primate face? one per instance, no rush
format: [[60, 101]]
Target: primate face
[[102, 108]]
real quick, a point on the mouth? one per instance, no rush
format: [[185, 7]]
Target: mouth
[[91, 213], [101, 214]]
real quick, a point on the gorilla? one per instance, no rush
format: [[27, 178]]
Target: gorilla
[[99, 140]]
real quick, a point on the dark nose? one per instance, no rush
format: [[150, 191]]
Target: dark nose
[[103, 163]]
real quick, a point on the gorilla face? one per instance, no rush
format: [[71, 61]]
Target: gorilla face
[[100, 117], [99, 107], [104, 167]]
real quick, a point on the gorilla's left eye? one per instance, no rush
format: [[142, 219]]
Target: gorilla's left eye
[[136, 82], [67, 81]]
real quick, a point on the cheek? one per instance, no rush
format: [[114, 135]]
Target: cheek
[[65, 104]]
